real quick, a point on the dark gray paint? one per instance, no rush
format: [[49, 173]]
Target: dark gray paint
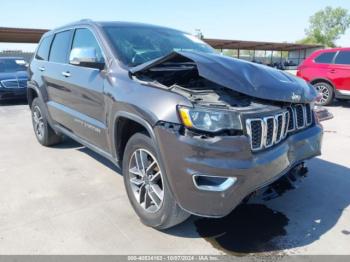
[[100, 98], [227, 156]]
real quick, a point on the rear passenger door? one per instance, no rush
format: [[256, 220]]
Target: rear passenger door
[[340, 71], [81, 93], [324, 65], [58, 96]]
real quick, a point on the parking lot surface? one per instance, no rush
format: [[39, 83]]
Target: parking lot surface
[[68, 200]]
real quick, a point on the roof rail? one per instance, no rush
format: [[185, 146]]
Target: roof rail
[[85, 20]]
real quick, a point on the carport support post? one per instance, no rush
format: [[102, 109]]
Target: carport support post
[[271, 57], [281, 57]]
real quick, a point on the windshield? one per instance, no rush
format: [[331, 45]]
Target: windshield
[[12, 65], [137, 45]]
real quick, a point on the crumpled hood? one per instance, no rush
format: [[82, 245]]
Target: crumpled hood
[[14, 75], [245, 77]]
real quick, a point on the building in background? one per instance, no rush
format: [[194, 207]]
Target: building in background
[[27, 56]]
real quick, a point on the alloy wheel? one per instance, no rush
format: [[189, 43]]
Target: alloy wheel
[[38, 120], [324, 91], [146, 180]]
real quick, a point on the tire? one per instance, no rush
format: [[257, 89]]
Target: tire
[[43, 131], [153, 210], [327, 92]]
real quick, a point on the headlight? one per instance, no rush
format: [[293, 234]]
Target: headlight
[[209, 120]]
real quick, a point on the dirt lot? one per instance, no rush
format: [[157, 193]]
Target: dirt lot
[[68, 200]]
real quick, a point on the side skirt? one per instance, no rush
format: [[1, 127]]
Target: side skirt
[[87, 144]]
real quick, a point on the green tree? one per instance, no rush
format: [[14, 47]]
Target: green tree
[[326, 26]]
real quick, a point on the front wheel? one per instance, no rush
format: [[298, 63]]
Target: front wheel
[[147, 186]]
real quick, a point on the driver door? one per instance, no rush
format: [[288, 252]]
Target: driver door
[[85, 97]]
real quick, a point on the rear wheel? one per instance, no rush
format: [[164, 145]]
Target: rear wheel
[[147, 186], [43, 132], [326, 92]]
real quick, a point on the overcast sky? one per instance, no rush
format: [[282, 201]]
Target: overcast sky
[[268, 20]]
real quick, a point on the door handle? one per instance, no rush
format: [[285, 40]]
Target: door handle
[[42, 69], [66, 74], [332, 71]]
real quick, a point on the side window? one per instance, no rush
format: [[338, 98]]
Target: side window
[[84, 38], [60, 47], [325, 58], [343, 58], [44, 49]]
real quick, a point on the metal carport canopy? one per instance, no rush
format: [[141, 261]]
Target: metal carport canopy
[[31, 35], [20, 35], [255, 45]]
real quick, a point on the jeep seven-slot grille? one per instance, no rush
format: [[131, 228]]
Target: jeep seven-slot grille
[[256, 133], [270, 126], [300, 116], [291, 122], [269, 130], [308, 115]]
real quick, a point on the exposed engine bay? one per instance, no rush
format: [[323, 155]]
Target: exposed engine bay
[[219, 81], [182, 77]]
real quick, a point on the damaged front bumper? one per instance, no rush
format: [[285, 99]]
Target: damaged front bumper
[[211, 176]]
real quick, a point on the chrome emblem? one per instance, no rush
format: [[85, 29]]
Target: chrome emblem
[[296, 98]]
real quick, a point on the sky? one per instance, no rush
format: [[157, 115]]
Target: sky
[[264, 20]]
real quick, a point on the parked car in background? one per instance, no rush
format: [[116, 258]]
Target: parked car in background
[[13, 78], [194, 132], [328, 70]]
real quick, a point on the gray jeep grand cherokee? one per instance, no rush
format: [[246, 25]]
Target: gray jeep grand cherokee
[[194, 132]]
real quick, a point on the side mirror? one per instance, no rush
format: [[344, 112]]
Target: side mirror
[[86, 57]]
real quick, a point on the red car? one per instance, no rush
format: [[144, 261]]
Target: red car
[[328, 70]]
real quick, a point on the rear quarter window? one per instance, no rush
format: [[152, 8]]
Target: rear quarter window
[[325, 58], [343, 58], [44, 49]]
